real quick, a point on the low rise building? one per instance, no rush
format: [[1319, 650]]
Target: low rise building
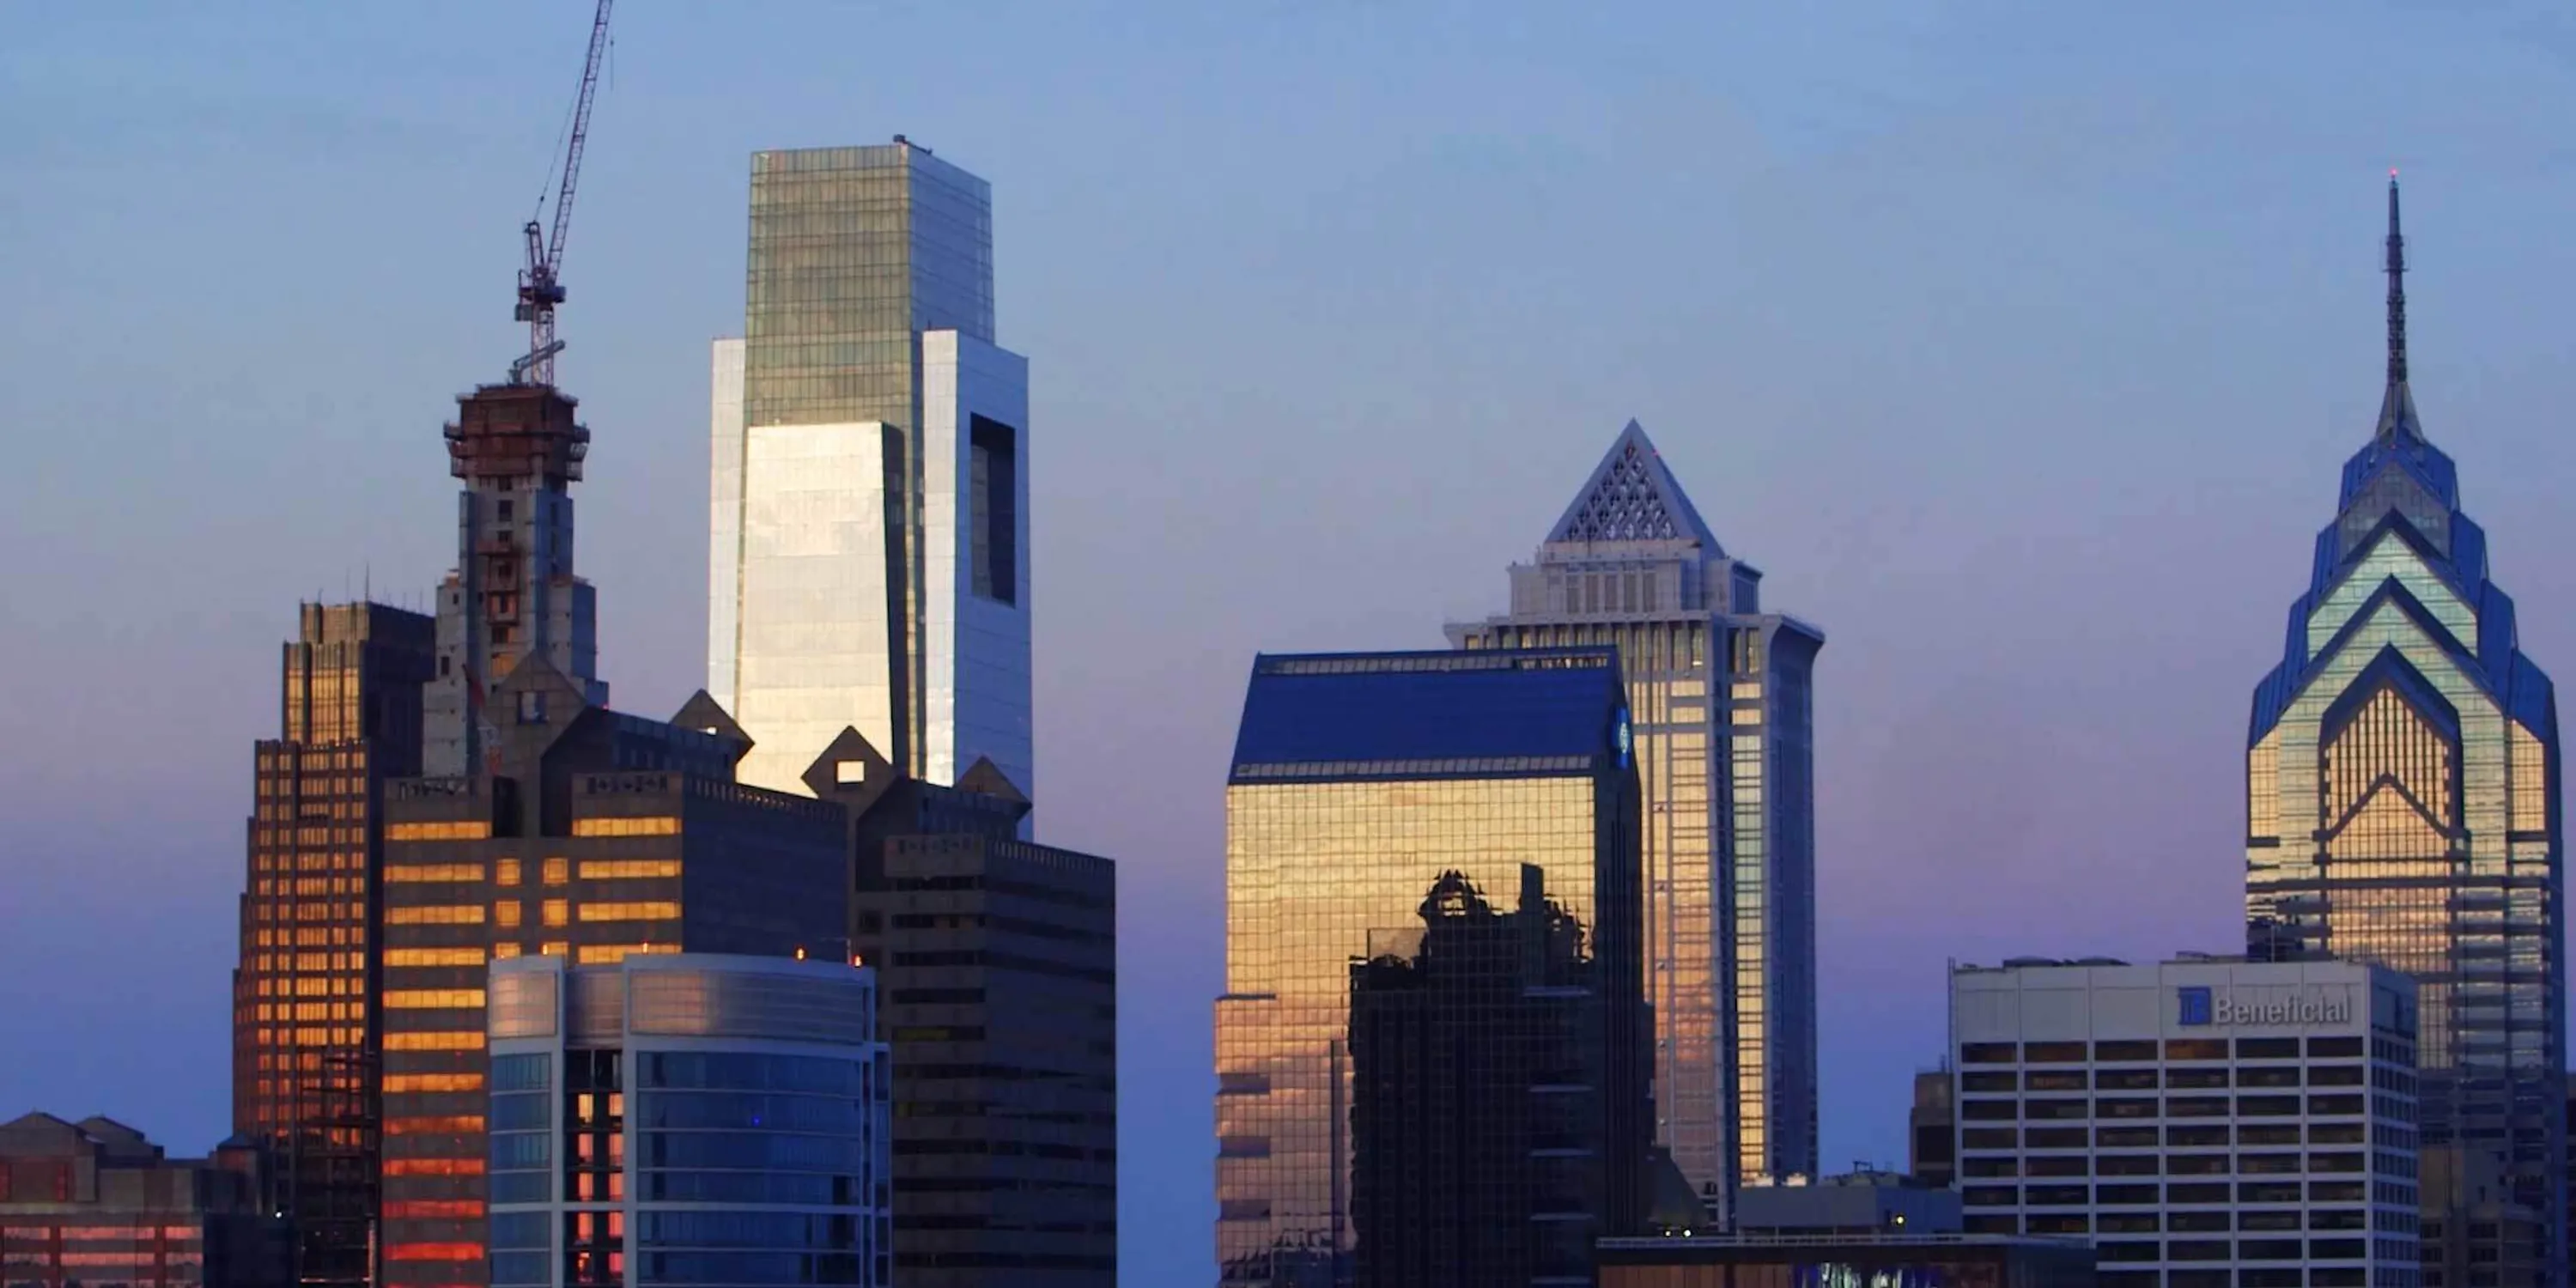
[[1868, 1202], [1797, 1260], [2207, 1122], [94, 1202]]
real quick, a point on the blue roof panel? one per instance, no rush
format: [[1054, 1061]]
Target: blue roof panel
[[1465, 705]]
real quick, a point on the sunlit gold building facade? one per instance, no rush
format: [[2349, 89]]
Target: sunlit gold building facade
[[305, 1027], [596, 836], [1360, 785], [1721, 696], [2403, 809]]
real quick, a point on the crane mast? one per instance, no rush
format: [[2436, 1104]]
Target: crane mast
[[540, 283]]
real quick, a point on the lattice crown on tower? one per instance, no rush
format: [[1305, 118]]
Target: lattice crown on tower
[[1632, 497]]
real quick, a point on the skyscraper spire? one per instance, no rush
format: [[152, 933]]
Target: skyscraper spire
[[2397, 406], [2396, 291]]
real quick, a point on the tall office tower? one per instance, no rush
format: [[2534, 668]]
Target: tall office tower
[[2402, 786], [1359, 783], [868, 560], [699, 1119], [997, 963], [512, 595], [305, 1025], [1468, 1063], [597, 836], [1721, 693]]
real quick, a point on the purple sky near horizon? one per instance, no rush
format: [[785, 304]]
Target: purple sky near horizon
[[2018, 348]]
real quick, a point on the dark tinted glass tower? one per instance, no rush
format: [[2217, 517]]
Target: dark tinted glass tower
[[1359, 782], [997, 967], [1471, 1067], [2402, 784], [305, 1025]]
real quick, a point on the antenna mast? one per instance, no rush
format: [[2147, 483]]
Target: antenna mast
[[540, 285]]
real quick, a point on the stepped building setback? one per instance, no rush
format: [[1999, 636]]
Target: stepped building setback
[[2402, 789]]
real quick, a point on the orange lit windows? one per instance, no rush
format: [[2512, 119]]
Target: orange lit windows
[[439, 1125], [656, 910], [662, 826], [468, 1041]]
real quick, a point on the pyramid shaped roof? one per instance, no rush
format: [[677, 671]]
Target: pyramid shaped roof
[[1632, 496]]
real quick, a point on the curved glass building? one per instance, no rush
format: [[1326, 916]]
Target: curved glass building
[[693, 1119], [2403, 810]]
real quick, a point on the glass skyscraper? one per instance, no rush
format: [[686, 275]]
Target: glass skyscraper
[[1720, 693], [868, 565], [2403, 800], [1379, 808]]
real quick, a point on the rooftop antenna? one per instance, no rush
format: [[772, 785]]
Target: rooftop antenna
[[2396, 290], [2397, 406]]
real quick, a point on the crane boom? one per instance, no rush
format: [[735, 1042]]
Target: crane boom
[[540, 283]]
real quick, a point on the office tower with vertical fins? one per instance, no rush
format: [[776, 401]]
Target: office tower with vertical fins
[[1721, 696]]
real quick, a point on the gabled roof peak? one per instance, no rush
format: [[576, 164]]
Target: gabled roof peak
[[1632, 496]]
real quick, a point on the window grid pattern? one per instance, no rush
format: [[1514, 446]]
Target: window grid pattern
[[2270, 1159]]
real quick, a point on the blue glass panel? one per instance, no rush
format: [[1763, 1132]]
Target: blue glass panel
[[522, 1112], [749, 1072], [521, 1230], [518, 1151], [522, 1072], [723, 1109], [1476, 704], [522, 1187], [520, 1268]]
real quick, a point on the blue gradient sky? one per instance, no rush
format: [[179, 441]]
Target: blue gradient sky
[[2019, 347]]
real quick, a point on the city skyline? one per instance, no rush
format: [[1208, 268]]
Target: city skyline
[[1898, 466]]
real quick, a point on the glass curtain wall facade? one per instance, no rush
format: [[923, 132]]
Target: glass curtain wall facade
[[2403, 809], [1722, 699], [732, 1109], [305, 1027], [869, 536], [1362, 786]]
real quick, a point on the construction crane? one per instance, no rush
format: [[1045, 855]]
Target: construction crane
[[541, 283]]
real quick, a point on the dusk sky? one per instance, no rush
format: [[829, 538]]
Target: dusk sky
[[2019, 346]]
